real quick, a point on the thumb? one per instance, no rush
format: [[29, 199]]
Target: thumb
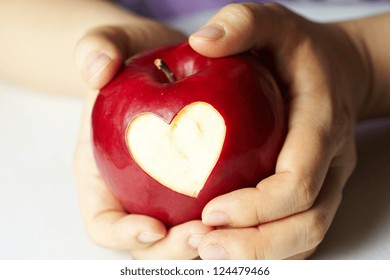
[[101, 51], [240, 27], [99, 55]]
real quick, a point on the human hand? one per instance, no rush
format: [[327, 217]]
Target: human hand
[[324, 76], [102, 50], [99, 55]]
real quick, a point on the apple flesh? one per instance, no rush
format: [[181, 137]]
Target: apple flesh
[[168, 144], [180, 155]]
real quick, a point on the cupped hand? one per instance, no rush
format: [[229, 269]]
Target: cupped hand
[[103, 49], [323, 74], [98, 56]]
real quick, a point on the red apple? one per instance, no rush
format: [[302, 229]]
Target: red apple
[[166, 141]]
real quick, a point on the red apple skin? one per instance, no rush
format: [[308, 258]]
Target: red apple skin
[[239, 87]]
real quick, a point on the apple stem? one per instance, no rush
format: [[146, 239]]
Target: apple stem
[[161, 65]]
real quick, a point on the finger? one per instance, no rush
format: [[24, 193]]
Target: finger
[[240, 27], [100, 53], [114, 229], [181, 242], [281, 195], [303, 256], [279, 239], [105, 220], [300, 171], [318, 129]]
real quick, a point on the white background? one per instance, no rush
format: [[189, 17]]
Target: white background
[[39, 215]]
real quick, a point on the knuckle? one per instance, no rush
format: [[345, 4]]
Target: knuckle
[[99, 232], [352, 161], [263, 248], [321, 129], [94, 236], [348, 158], [342, 119], [334, 132], [306, 193], [260, 252], [276, 7], [292, 24], [336, 128], [244, 12], [316, 227], [342, 125]]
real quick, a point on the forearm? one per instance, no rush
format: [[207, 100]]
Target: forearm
[[38, 38], [371, 35]]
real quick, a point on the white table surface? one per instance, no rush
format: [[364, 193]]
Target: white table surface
[[39, 215]]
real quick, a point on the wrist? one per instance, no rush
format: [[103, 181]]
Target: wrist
[[369, 35], [359, 70]]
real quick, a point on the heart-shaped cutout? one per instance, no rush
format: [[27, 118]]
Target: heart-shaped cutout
[[180, 155]]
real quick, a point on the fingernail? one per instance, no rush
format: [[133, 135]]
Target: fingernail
[[215, 219], [210, 32], [214, 252], [149, 237], [96, 64], [194, 240]]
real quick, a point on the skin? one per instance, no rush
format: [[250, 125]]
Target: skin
[[334, 75]]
